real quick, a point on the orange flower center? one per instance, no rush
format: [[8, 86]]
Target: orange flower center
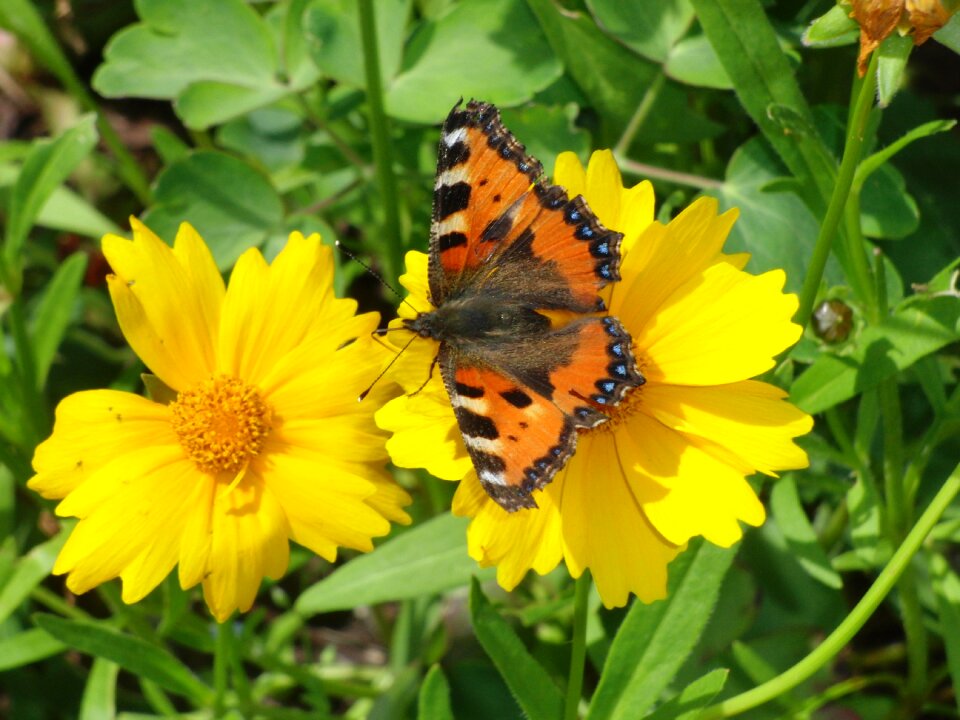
[[222, 423]]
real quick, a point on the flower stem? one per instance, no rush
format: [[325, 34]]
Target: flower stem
[[838, 200], [653, 172], [640, 116], [578, 652], [380, 138], [839, 638], [221, 667]]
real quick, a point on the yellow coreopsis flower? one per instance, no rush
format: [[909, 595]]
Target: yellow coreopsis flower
[[262, 440], [671, 462]]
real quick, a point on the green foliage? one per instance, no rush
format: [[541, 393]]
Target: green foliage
[[250, 120]]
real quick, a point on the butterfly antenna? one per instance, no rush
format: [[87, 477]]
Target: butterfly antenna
[[384, 371], [374, 273]]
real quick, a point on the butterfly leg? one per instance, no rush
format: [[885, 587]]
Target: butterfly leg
[[433, 366]]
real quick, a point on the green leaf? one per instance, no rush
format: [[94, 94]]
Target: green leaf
[[22, 18], [879, 158], [49, 163], [440, 64], [134, 655], [776, 228], [799, 533], [893, 54], [27, 647], [696, 695], [232, 205], [168, 145], [64, 209], [915, 330], [650, 29], [654, 640], [54, 312], [332, 32], [887, 210], [434, 700], [694, 62], [30, 571], [427, 559], [946, 586], [949, 34], [548, 131], [750, 52], [531, 686], [217, 58], [832, 29], [100, 694]]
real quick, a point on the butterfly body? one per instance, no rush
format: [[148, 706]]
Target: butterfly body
[[515, 270]]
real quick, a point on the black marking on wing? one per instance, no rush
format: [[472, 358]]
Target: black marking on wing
[[517, 397], [450, 199], [475, 425], [451, 240], [469, 391], [452, 155]]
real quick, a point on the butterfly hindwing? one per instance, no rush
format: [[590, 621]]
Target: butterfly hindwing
[[516, 438]]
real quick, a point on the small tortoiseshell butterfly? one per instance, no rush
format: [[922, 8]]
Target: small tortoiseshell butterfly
[[514, 272]]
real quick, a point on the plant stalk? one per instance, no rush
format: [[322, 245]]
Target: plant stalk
[[578, 650]]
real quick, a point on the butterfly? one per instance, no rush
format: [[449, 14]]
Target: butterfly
[[515, 268]]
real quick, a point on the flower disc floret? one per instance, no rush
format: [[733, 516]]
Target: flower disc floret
[[222, 423]]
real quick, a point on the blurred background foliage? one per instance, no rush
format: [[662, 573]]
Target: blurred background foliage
[[251, 120]]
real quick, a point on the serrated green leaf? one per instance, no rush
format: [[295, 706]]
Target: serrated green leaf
[[693, 61], [748, 48], [232, 205], [893, 53], [428, 559], [440, 63], [832, 29], [49, 163], [799, 533], [650, 29], [29, 572], [654, 640], [694, 697], [27, 647], [916, 329], [53, 314], [531, 686], [100, 693], [137, 656], [434, 699]]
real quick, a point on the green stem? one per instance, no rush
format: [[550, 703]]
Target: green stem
[[221, 667], [37, 424], [841, 190], [641, 114], [52, 601], [380, 138], [840, 637], [578, 651], [653, 172]]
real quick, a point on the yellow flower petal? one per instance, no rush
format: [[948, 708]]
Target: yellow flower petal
[[249, 542], [163, 314], [515, 542], [749, 418], [605, 530], [724, 327], [604, 187], [665, 258], [637, 208], [704, 496], [297, 286], [568, 172], [421, 421], [91, 429]]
